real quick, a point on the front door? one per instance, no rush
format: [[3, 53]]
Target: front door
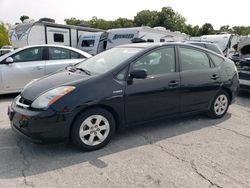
[[158, 94], [28, 65]]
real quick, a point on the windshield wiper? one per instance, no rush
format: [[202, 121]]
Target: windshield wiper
[[83, 70], [73, 68]]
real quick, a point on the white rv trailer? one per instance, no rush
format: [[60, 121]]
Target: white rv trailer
[[127, 35], [45, 31], [225, 42], [93, 42]]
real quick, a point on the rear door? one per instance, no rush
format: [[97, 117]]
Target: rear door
[[58, 58], [28, 65], [200, 79], [158, 94]]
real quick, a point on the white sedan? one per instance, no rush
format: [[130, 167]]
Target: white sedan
[[19, 67]]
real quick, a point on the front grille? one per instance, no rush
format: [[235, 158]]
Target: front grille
[[23, 103]]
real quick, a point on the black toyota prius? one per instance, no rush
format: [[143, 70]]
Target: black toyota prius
[[126, 85]]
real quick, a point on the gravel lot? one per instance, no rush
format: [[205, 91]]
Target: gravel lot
[[188, 152]]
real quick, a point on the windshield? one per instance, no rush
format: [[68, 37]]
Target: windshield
[[107, 60]]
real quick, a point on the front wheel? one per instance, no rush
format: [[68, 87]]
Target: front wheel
[[219, 105], [93, 129]]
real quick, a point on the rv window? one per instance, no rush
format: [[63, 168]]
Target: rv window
[[58, 37], [162, 40], [58, 53], [150, 40], [88, 43]]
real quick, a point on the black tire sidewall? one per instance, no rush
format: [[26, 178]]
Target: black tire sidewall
[[212, 111], [75, 137]]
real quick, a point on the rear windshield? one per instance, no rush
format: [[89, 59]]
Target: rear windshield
[[108, 60]]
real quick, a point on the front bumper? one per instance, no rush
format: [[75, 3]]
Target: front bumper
[[40, 126]]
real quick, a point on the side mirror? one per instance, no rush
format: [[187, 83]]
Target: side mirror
[[138, 74], [9, 60]]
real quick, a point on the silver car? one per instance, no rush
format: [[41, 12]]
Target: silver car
[[19, 67]]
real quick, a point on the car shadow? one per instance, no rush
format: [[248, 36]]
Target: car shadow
[[24, 157], [243, 98], [8, 97]]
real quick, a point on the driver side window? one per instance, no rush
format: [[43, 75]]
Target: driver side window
[[158, 62]]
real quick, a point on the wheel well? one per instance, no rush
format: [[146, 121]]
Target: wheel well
[[229, 93], [108, 108]]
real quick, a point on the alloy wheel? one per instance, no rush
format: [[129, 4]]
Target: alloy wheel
[[94, 130]]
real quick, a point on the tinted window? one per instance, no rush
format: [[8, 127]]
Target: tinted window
[[58, 53], [122, 75], [75, 55], [161, 61], [88, 43], [214, 48], [58, 37], [31, 54], [193, 59], [216, 60]]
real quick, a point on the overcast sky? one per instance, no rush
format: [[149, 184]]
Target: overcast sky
[[197, 12]]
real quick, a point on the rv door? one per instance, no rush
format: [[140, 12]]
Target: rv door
[[102, 42], [56, 35]]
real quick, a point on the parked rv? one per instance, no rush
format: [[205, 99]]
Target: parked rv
[[46, 31], [226, 42], [93, 42], [142, 34]]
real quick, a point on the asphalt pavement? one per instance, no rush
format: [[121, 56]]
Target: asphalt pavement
[[183, 152]]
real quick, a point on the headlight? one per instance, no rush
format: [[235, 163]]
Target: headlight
[[48, 98]]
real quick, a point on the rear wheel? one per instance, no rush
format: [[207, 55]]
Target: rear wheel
[[93, 129], [219, 105]]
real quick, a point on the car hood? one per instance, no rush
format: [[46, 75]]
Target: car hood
[[61, 78]]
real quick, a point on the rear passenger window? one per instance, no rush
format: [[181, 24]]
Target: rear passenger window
[[58, 53], [193, 59], [75, 55], [216, 60]]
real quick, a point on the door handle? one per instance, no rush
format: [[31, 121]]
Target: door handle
[[173, 83], [37, 68], [214, 77]]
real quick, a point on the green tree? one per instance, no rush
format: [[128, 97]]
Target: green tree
[[225, 28], [147, 18], [207, 29], [172, 20], [74, 21], [4, 39], [24, 17], [122, 23]]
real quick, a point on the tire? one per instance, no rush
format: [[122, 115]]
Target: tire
[[93, 129], [219, 105]]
